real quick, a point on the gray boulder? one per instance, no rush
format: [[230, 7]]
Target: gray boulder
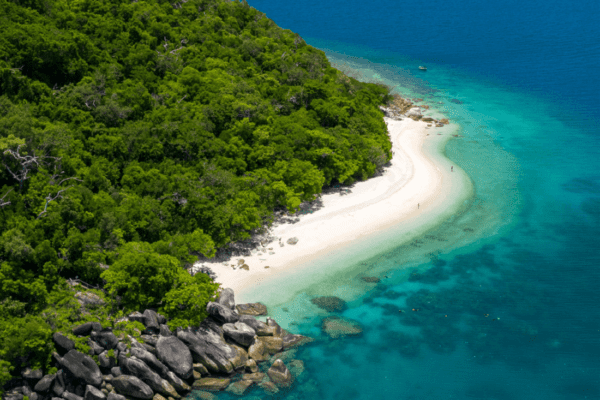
[[128, 385], [116, 371], [106, 361], [87, 328], [221, 313], [82, 367], [59, 383], [91, 393], [259, 327], [164, 330], [115, 396], [240, 333], [150, 339], [69, 396], [136, 316], [106, 339], [136, 367], [151, 321], [177, 383], [35, 396], [227, 298], [121, 346], [32, 377], [95, 348], [45, 383], [210, 349], [151, 360], [175, 354], [63, 343]]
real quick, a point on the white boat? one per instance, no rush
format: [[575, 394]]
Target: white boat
[[422, 68]]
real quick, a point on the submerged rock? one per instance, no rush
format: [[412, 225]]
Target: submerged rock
[[329, 303], [211, 384], [279, 374], [239, 387], [370, 279], [336, 327]]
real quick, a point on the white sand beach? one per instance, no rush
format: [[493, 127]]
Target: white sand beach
[[415, 190]]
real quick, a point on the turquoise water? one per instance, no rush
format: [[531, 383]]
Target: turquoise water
[[505, 292]]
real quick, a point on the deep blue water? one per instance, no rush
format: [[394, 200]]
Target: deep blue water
[[509, 308]]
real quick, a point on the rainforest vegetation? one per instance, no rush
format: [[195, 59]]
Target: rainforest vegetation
[[137, 135]]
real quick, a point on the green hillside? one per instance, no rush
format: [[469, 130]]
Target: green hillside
[[138, 135]]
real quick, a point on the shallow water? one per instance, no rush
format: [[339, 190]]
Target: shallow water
[[505, 293]]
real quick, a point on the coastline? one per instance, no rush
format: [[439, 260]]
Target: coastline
[[415, 192]]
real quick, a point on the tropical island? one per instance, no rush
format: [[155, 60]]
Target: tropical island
[[138, 137]]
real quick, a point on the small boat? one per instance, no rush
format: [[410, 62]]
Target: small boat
[[422, 68]]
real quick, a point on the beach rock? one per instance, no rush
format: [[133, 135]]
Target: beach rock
[[210, 349], [201, 369], [150, 359], [257, 351], [251, 309], [414, 112], [239, 387], [202, 395], [227, 298], [240, 333], [164, 330], [82, 367], [45, 383], [292, 241], [63, 344], [290, 341], [329, 303], [336, 327], [273, 344], [254, 377], [259, 327], [278, 330], [456, 101], [91, 393], [221, 313], [444, 121], [106, 339], [68, 396], [427, 119], [245, 267], [151, 321], [175, 354], [212, 384], [251, 366], [115, 396], [176, 382], [279, 374], [136, 367], [370, 279], [86, 299], [128, 385], [239, 362]]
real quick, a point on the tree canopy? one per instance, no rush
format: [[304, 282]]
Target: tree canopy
[[137, 135]]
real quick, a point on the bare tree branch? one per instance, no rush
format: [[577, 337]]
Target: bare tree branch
[[5, 203], [49, 198]]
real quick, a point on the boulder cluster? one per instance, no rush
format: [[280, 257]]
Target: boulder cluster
[[401, 108], [227, 351]]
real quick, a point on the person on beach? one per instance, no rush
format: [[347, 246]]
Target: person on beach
[[452, 168]]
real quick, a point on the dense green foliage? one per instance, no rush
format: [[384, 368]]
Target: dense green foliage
[[140, 134]]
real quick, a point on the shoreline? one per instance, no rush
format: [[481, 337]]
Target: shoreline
[[415, 193]]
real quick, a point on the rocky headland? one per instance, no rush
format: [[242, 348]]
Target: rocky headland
[[401, 108], [231, 350]]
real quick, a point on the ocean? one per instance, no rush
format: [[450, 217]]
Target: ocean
[[502, 300]]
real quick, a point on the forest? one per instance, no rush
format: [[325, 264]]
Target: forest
[[137, 135]]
